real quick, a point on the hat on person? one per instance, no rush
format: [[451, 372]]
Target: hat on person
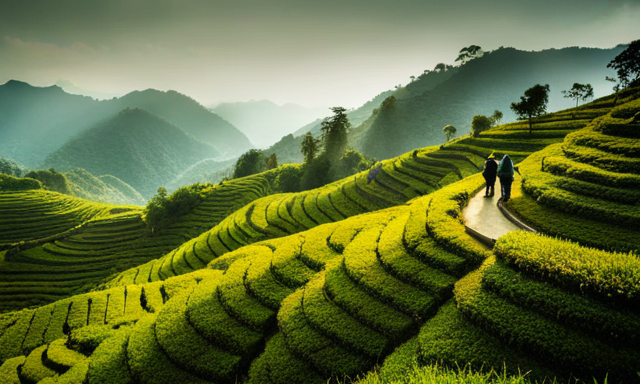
[[492, 156]]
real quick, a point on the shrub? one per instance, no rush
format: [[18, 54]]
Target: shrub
[[162, 210], [250, 163], [52, 180], [288, 179], [609, 275], [10, 183]]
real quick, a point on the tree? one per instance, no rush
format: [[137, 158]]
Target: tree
[[469, 53], [413, 78], [440, 67], [627, 65], [309, 147], [288, 179], [532, 104], [334, 134], [450, 131], [616, 88], [250, 163], [272, 161], [479, 124], [579, 92], [496, 117], [351, 163]]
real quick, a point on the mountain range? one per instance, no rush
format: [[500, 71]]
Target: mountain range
[[136, 146], [264, 121]]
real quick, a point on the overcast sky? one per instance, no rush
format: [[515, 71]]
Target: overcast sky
[[314, 53]]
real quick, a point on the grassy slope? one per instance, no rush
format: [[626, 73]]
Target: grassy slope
[[73, 244], [336, 299]]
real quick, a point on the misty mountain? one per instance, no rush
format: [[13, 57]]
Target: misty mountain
[[73, 89], [356, 116], [264, 121], [141, 149], [191, 116], [103, 189], [478, 88], [35, 121]]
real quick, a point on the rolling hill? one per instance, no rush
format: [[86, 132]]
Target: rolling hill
[[327, 284], [137, 147], [35, 121], [479, 87]]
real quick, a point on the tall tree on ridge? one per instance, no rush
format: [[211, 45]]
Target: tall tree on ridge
[[309, 147], [450, 131], [335, 131], [532, 104]]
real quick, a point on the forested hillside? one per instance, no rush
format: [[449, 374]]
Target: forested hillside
[[35, 121], [142, 149], [479, 87]]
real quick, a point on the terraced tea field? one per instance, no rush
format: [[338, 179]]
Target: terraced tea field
[[330, 283], [105, 240]]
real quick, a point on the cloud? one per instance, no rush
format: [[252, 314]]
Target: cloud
[[36, 50]]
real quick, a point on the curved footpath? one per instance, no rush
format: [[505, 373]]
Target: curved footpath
[[484, 220]]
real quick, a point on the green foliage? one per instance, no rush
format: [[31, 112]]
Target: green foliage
[[569, 349], [479, 124], [532, 104], [288, 179], [9, 370], [139, 148], [249, 163], [612, 275], [316, 173], [51, 180], [469, 53], [562, 166], [162, 210], [309, 147], [496, 117], [272, 162], [579, 92], [12, 168], [449, 131], [334, 134], [627, 65], [10, 183], [451, 339]]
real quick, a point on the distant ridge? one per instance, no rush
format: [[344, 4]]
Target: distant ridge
[[35, 121], [135, 146]]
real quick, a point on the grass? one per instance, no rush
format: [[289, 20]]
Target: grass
[[278, 291]]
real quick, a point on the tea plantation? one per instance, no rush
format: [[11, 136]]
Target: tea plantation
[[331, 283], [53, 245]]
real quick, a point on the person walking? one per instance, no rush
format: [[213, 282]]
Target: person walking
[[505, 173], [489, 174]]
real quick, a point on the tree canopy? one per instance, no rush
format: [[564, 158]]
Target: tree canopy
[[335, 131], [627, 65], [579, 92], [272, 161], [450, 131], [496, 117], [532, 104], [309, 147], [250, 163], [479, 124], [469, 53]]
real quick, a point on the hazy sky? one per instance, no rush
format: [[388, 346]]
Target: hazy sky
[[315, 53]]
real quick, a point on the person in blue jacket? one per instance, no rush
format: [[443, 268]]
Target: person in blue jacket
[[506, 171]]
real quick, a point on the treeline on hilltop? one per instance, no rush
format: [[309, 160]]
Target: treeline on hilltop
[[326, 158], [76, 182]]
